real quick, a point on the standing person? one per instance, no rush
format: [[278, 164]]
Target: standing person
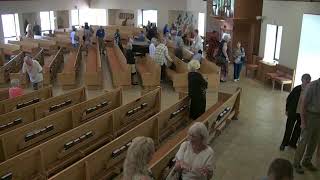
[[117, 39], [162, 57], [197, 86], [15, 90], [223, 58], [36, 29], [310, 125], [166, 30], [29, 31], [139, 154], [87, 36], [213, 46], [197, 56], [132, 62], [292, 132], [152, 48], [34, 70], [197, 42], [178, 52], [280, 169], [239, 55], [100, 34], [74, 38], [195, 160]]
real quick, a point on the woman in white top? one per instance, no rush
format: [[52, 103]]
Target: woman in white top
[[138, 156], [197, 42], [34, 70], [195, 158], [152, 47]]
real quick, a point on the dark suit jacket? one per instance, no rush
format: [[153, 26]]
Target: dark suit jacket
[[293, 99]]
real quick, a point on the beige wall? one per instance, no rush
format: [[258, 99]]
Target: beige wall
[[113, 17]]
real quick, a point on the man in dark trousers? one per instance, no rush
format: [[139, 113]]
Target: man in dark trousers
[[293, 130]]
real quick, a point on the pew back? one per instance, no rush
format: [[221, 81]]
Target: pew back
[[149, 71], [93, 74], [14, 65], [29, 47], [73, 145], [12, 104], [51, 67], [34, 112], [10, 49], [4, 94]]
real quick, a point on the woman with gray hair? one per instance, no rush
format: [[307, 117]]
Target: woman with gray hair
[[194, 160], [223, 58], [138, 156], [197, 86]]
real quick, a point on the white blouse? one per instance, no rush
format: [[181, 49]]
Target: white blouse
[[200, 160]]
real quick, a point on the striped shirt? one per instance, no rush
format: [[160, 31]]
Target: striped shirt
[[161, 54]]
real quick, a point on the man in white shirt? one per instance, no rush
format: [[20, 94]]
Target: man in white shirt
[[197, 42], [74, 38], [34, 70], [152, 47]]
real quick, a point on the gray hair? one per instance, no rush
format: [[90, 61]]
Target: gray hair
[[226, 37], [138, 156], [193, 65], [15, 82], [200, 130]]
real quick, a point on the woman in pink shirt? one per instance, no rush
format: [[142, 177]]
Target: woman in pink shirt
[[15, 89]]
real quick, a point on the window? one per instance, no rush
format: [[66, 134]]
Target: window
[[91, 16], [10, 24], [201, 24], [47, 21], [273, 43], [147, 15]]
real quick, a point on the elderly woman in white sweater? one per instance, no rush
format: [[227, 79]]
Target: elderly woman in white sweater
[[194, 159]]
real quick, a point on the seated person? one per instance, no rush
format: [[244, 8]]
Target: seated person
[[141, 37], [198, 56], [194, 159], [280, 169], [15, 90], [138, 156]]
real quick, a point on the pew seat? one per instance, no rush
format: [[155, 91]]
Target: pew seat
[[93, 74], [282, 75]]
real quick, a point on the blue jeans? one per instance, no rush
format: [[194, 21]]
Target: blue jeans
[[237, 70]]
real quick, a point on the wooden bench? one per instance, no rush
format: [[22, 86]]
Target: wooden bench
[[34, 112], [8, 105], [149, 72], [282, 75], [4, 94], [119, 69], [179, 76], [187, 54], [59, 122], [51, 67], [62, 151], [93, 74], [125, 32], [8, 50], [14, 65], [28, 47], [107, 162], [23, 77], [68, 78], [50, 46]]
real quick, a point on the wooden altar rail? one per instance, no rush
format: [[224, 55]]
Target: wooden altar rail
[[14, 65], [52, 66], [93, 74], [34, 112], [119, 69], [212, 118], [17, 141], [107, 162], [56, 154], [11, 104], [23, 77], [68, 77]]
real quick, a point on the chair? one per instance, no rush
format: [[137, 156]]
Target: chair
[[254, 66]]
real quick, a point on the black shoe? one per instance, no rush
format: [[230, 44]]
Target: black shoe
[[299, 169], [309, 166], [282, 147], [293, 146]]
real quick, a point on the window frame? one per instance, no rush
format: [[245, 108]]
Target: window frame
[[276, 43], [17, 31]]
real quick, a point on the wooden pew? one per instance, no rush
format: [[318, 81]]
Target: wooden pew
[[52, 66], [107, 162], [125, 32], [212, 118], [28, 47], [50, 46], [34, 112], [93, 74], [14, 65], [62, 41], [179, 76], [119, 69], [16, 141], [9, 105], [56, 154], [8, 50], [23, 78], [149, 72], [4, 94], [68, 78]]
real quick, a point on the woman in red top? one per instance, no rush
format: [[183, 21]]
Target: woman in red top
[[15, 89]]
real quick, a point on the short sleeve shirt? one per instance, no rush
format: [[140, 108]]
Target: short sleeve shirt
[[160, 54], [34, 71]]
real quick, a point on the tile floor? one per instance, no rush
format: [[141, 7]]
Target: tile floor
[[246, 148]]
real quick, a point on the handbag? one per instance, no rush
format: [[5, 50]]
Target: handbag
[[220, 60]]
